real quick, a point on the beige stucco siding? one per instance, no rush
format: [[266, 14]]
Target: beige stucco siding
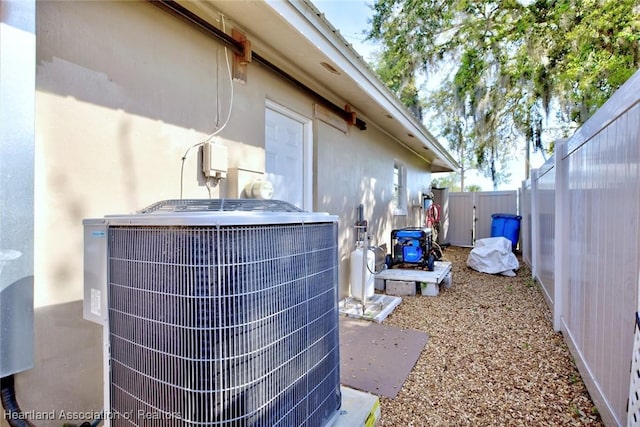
[[357, 168], [117, 110]]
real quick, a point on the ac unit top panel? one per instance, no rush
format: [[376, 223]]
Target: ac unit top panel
[[220, 205], [216, 212]]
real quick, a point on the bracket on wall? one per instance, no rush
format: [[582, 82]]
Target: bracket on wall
[[242, 55], [350, 116], [331, 118], [240, 61]]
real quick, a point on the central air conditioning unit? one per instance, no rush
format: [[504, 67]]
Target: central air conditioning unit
[[216, 313]]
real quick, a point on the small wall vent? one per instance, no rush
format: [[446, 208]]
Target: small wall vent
[[219, 313]]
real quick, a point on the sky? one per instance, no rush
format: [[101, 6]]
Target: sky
[[352, 18]]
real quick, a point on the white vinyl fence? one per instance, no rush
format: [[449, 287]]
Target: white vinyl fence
[[525, 223], [585, 245], [543, 194]]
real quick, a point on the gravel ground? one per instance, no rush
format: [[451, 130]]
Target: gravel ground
[[492, 357]]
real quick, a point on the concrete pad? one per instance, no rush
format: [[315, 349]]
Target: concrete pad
[[377, 308], [358, 409]]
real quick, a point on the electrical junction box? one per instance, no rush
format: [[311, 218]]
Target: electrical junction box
[[427, 201], [215, 160]]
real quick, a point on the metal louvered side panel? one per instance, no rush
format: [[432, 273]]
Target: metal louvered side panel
[[229, 326], [324, 356]]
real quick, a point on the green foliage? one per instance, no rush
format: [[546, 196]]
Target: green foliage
[[448, 180], [530, 282], [451, 181], [509, 64], [601, 51]]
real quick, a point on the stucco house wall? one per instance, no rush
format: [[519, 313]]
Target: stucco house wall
[[123, 91], [359, 170]]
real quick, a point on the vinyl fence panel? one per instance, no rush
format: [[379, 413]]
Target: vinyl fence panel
[[599, 301], [543, 216], [492, 202], [585, 209]]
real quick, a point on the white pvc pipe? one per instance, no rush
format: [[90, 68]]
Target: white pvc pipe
[[365, 248]]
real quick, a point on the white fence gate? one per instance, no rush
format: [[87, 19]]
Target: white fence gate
[[470, 214], [460, 219]]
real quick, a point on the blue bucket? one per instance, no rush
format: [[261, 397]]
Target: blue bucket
[[506, 225]]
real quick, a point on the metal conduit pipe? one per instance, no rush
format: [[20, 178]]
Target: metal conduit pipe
[[192, 19], [345, 115]]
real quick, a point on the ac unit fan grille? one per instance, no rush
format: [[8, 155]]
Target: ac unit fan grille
[[224, 326]]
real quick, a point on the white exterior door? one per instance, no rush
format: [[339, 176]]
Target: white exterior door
[[287, 152]]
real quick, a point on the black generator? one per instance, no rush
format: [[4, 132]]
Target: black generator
[[412, 246]]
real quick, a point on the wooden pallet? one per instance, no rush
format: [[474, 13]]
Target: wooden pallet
[[440, 270]]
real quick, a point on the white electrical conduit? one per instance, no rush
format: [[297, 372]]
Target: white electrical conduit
[[218, 127], [365, 267]]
